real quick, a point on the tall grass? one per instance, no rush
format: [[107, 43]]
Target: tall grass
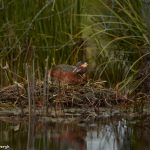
[[120, 30], [35, 30]]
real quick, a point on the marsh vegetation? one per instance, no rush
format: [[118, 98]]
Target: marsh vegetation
[[111, 35]]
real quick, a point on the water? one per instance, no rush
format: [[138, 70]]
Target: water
[[47, 133]]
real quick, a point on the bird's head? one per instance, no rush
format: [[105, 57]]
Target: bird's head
[[81, 67]]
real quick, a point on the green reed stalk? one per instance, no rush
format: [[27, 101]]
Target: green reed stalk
[[119, 33], [37, 30]]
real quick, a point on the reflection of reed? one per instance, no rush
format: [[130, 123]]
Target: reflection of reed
[[55, 136], [31, 133], [109, 134], [105, 134], [140, 134], [69, 136]]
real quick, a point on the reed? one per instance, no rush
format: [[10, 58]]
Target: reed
[[120, 33], [37, 30]]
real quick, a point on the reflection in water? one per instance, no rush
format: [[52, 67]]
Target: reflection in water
[[104, 134], [109, 137]]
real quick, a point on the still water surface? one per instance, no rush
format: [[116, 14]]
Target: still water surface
[[44, 133]]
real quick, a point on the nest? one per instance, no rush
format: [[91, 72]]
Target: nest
[[87, 95]]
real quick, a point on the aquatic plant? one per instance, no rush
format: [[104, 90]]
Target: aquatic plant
[[32, 31], [120, 33]]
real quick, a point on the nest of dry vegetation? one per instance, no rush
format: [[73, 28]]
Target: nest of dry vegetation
[[88, 95]]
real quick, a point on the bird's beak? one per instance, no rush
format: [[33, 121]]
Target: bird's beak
[[84, 65], [80, 68]]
